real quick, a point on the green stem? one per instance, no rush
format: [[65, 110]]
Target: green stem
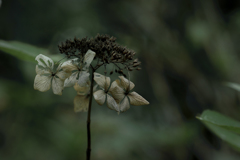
[[89, 117]]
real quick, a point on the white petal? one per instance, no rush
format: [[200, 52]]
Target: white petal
[[95, 88], [69, 82], [40, 70], [136, 99], [100, 97], [102, 81], [59, 67], [126, 84], [117, 92], [81, 103], [82, 90], [42, 83], [57, 86], [68, 66], [124, 105], [112, 104], [83, 78], [88, 58], [63, 75], [44, 61], [114, 84]]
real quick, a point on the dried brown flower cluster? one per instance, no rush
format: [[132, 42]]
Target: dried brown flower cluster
[[106, 49]]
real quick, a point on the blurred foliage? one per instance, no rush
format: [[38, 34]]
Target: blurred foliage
[[187, 48], [24, 51], [224, 127], [233, 85]]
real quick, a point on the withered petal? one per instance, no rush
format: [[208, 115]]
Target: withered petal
[[136, 99], [99, 96]]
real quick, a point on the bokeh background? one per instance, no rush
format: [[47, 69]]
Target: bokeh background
[[188, 48]]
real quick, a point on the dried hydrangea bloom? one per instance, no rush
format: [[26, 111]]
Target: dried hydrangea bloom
[[102, 95], [49, 74], [82, 90], [81, 101], [78, 68], [121, 93]]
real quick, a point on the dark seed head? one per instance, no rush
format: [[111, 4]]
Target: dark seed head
[[106, 49]]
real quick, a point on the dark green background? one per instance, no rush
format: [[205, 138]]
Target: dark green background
[[187, 48]]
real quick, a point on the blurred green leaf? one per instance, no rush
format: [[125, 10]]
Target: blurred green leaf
[[223, 126], [233, 85], [230, 137], [220, 120], [24, 51], [21, 50]]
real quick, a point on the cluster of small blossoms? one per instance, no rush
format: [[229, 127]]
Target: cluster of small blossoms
[[75, 73]]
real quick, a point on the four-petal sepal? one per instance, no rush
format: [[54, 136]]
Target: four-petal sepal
[[120, 91], [49, 74]]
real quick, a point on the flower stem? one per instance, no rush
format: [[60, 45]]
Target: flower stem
[[89, 118]]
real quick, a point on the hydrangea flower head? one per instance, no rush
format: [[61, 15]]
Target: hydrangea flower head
[[49, 74], [103, 95], [78, 68], [121, 93]]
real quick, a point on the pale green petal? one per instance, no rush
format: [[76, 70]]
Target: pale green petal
[[112, 104], [81, 103], [42, 83], [136, 99], [57, 86], [100, 97], [117, 92], [45, 61], [69, 66], [88, 58], [40, 70], [83, 78], [72, 80], [124, 105], [126, 84], [102, 81]]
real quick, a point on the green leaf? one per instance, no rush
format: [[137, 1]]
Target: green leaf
[[224, 127], [231, 138], [21, 50], [220, 120], [233, 85], [25, 51]]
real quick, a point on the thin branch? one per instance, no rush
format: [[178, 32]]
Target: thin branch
[[116, 65], [88, 152], [97, 66]]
